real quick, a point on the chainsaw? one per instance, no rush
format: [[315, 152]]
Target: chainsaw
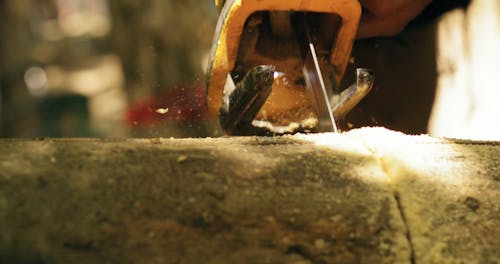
[[275, 66]]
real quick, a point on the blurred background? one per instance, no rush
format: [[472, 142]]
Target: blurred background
[[104, 68], [135, 68]]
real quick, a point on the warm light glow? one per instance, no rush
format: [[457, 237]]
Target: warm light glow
[[468, 60], [162, 111], [106, 74], [36, 80], [349, 146], [80, 17], [392, 157]]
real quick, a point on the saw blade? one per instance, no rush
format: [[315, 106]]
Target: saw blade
[[313, 77], [316, 87]]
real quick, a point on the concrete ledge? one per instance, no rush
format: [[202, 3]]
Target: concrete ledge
[[367, 196]]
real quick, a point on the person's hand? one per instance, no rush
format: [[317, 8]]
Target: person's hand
[[387, 17]]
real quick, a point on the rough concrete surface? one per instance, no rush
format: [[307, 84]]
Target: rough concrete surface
[[366, 196]]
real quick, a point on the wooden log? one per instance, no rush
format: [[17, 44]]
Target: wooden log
[[367, 196]]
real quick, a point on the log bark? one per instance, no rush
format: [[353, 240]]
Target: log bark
[[366, 196]]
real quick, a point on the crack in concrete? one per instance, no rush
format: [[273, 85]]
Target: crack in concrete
[[408, 233], [383, 166], [400, 207]]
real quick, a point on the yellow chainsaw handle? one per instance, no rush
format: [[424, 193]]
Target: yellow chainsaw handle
[[219, 4]]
